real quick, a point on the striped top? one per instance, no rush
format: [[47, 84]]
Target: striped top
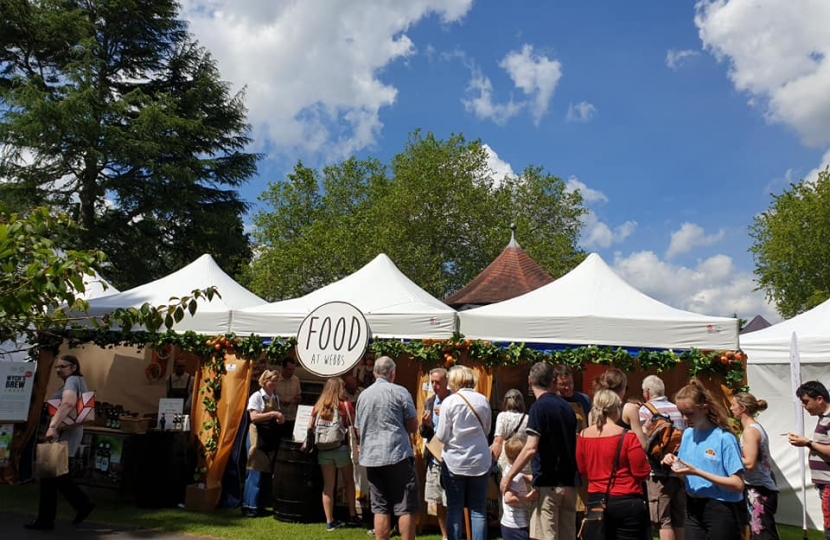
[[819, 465]]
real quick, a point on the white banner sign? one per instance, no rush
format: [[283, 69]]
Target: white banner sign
[[16, 382], [332, 339]]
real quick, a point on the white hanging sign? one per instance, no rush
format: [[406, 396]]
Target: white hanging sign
[[332, 339]]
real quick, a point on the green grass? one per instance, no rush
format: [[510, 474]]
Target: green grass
[[224, 523]]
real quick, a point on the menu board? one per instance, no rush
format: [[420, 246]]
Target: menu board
[[168, 409], [16, 382], [301, 422]]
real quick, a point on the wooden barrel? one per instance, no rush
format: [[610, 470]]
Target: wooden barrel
[[297, 485]]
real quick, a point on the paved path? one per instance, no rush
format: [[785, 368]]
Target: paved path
[[12, 529]]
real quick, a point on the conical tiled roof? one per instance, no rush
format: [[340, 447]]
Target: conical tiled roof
[[511, 274], [758, 323]]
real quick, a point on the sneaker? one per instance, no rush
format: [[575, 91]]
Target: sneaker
[[370, 532], [354, 521], [331, 525]]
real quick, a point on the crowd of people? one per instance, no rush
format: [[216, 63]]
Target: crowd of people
[[710, 476]]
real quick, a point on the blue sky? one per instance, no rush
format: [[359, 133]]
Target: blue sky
[[676, 120]]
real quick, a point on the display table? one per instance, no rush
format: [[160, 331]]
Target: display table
[[161, 467], [154, 468]]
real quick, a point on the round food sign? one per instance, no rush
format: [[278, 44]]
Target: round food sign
[[332, 339]]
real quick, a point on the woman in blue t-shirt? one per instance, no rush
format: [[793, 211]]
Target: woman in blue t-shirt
[[709, 459]]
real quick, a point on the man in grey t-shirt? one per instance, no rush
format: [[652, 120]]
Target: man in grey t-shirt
[[385, 417]]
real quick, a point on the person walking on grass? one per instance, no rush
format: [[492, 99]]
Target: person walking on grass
[[68, 369], [385, 417]]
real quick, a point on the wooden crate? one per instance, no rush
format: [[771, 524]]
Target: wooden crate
[[134, 425]]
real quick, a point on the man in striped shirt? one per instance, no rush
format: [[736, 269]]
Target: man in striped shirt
[[816, 401]]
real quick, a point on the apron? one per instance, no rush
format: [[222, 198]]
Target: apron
[[178, 393], [259, 460]]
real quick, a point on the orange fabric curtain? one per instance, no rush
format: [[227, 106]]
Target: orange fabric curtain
[[229, 411]]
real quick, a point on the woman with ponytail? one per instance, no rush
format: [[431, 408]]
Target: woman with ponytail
[[709, 459], [626, 513], [761, 491], [614, 379]]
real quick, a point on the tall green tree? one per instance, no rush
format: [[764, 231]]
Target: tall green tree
[[792, 246], [109, 111], [435, 210]]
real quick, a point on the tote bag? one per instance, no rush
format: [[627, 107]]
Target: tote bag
[[52, 459]]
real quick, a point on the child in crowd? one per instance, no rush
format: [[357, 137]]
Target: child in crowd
[[515, 522]]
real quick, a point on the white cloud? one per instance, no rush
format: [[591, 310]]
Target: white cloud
[[812, 176], [588, 195], [536, 75], [311, 69], [581, 112], [676, 58], [691, 235], [779, 54], [498, 166], [597, 234], [482, 104], [713, 287]]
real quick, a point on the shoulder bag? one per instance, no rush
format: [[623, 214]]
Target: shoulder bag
[[82, 413], [593, 524]]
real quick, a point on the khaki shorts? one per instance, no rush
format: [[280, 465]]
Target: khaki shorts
[[554, 516], [667, 502], [433, 492]]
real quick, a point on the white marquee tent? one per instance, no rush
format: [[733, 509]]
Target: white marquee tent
[[212, 317], [591, 305], [768, 376], [394, 306]]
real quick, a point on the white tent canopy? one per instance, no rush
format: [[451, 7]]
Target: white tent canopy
[[394, 306], [591, 305], [212, 317], [769, 378]]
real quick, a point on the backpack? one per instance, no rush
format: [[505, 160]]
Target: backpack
[[663, 437], [329, 434]]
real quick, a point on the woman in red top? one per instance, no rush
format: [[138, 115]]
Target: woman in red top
[[333, 406], [626, 515]]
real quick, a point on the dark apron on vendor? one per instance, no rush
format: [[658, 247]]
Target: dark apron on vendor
[[258, 459], [176, 392]]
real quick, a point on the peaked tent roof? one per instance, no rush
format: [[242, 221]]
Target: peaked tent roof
[[757, 323], [772, 345], [394, 306], [591, 305], [511, 274], [211, 317]]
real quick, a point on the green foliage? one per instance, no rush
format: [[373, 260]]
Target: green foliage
[[39, 283], [435, 210], [727, 364], [112, 113], [792, 246]]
